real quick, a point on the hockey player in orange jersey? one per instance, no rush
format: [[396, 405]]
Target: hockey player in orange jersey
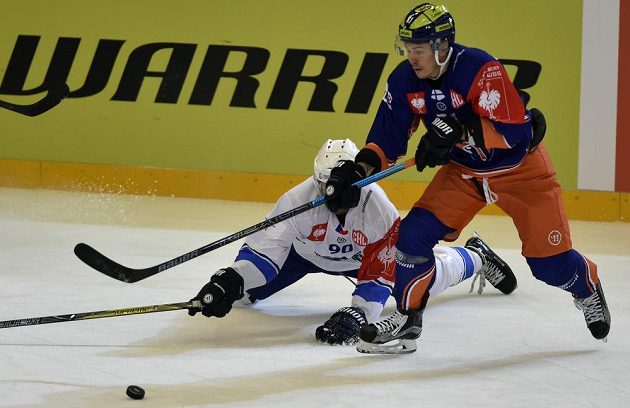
[[490, 152]]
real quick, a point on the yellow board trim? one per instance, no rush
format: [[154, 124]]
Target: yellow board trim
[[624, 212], [579, 204]]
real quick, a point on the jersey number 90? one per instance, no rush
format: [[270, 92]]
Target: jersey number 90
[[335, 249]]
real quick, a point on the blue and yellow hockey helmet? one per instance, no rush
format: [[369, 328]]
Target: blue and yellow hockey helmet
[[426, 23]]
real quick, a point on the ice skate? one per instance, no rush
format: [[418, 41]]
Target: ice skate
[[395, 335], [494, 269], [596, 313]]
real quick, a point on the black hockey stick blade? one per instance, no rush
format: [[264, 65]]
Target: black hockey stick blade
[[113, 269], [110, 267], [54, 96], [30, 321]]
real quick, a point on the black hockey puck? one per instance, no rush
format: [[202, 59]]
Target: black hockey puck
[[135, 392]]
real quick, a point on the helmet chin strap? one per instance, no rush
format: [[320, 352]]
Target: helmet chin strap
[[442, 65]]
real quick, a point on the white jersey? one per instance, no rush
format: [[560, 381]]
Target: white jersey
[[319, 236], [364, 242]]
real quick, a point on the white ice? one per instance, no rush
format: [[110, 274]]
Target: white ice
[[529, 349]]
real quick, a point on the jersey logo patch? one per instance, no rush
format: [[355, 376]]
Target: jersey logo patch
[[359, 238], [456, 100], [318, 232], [489, 100], [417, 103], [386, 257], [493, 92], [437, 95]]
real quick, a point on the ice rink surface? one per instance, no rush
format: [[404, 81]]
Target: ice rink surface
[[529, 349]]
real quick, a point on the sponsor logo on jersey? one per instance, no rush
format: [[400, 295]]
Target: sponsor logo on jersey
[[318, 232], [359, 238], [417, 103], [456, 99]]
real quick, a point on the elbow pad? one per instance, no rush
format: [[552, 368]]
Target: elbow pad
[[369, 157]]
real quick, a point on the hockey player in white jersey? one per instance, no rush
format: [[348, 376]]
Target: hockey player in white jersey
[[358, 242]]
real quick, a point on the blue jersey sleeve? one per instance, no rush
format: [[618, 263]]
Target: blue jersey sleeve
[[395, 122]]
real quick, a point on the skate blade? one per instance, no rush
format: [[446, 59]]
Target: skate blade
[[400, 346]]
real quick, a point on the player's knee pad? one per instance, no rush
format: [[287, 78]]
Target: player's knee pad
[[566, 271], [419, 232]]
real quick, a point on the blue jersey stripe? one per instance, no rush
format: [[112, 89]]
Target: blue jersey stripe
[[268, 268]]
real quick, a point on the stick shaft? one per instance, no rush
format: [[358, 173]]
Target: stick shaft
[[30, 321]]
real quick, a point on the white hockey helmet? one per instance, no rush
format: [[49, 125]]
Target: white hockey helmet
[[331, 152]]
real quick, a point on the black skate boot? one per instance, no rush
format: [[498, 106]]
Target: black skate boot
[[400, 330], [494, 269], [596, 313]]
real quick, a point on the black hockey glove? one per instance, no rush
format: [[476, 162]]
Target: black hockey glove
[[539, 127], [339, 190], [435, 146], [216, 297], [343, 327]]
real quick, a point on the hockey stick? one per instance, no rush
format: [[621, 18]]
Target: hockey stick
[[31, 321], [53, 97], [115, 270]]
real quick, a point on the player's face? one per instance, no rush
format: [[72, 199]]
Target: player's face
[[422, 59]]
